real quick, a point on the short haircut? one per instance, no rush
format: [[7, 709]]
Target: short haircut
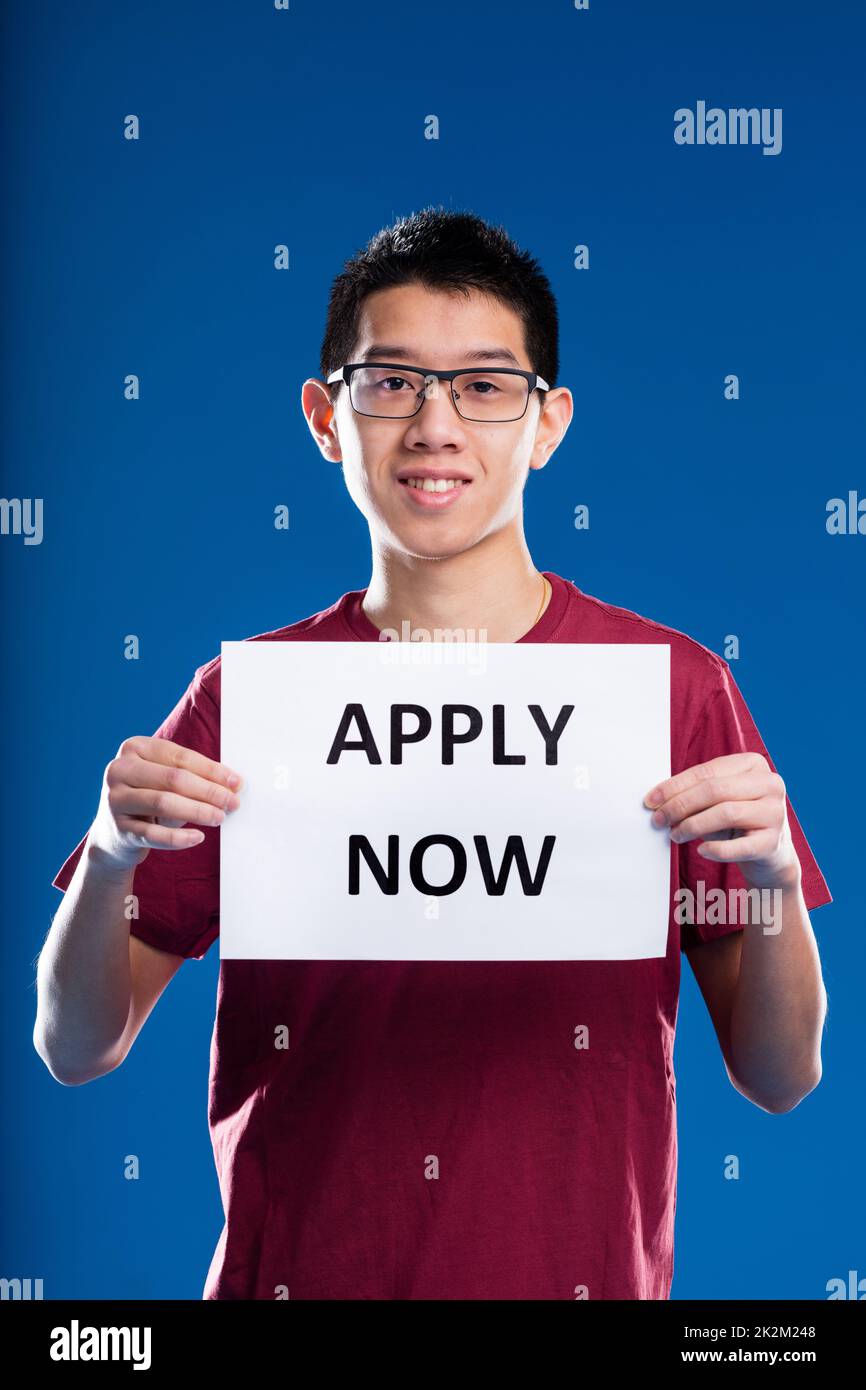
[[452, 251]]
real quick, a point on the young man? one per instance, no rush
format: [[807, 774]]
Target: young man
[[555, 1173]]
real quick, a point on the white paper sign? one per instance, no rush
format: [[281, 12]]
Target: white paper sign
[[508, 828]]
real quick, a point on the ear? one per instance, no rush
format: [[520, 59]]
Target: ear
[[319, 414]]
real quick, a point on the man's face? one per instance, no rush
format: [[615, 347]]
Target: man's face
[[488, 461]]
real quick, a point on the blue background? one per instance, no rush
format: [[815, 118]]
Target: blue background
[[155, 257]]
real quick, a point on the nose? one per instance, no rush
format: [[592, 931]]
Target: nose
[[443, 405], [437, 423]]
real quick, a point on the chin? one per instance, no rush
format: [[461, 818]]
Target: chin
[[430, 547]]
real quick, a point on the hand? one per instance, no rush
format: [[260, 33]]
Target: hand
[[736, 804], [151, 789]]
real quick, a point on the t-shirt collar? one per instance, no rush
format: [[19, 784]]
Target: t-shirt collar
[[363, 629]]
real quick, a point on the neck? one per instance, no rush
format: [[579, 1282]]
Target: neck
[[491, 593]]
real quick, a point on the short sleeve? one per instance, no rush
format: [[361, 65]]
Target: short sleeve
[[726, 726], [177, 890]]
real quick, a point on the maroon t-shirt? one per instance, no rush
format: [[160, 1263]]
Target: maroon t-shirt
[[432, 1131]]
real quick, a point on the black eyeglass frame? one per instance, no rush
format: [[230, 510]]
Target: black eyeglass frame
[[345, 372]]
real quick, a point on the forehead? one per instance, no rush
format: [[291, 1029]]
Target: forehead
[[436, 328]]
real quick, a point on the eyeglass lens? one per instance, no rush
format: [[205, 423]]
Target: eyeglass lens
[[479, 395]]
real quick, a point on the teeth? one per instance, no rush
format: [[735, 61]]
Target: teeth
[[435, 484]]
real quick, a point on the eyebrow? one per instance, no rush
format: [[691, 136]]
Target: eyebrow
[[384, 352]]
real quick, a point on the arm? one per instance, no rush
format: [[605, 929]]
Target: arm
[[97, 983], [767, 1002], [763, 988]]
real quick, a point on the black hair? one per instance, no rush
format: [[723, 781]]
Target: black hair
[[444, 250]]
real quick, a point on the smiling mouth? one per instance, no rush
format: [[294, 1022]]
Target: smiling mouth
[[434, 484], [433, 494]]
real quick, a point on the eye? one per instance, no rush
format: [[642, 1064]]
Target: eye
[[400, 379]]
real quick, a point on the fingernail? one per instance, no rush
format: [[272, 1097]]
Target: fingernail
[[653, 798], [657, 818]]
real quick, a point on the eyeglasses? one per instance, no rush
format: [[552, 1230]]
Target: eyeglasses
[[393, 391]]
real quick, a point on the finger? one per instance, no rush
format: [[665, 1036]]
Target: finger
[[145, 833], [766, 813], [744, 786], [124, 800], [163, 750], [728, 765], [139, 772], [758, 845]]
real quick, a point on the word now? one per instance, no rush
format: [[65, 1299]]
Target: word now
[[449, 735], [495, 884]]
